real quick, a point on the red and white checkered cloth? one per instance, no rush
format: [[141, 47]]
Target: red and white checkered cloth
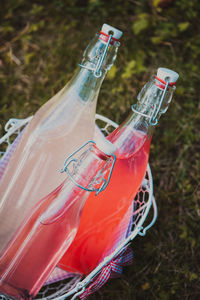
[[57, 275], [112, 270], [8, 154]]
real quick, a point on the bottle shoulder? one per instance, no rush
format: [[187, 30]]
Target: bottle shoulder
[[61, 113], [128, 141]]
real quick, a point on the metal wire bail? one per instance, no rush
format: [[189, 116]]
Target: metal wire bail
[[97, 70], [71, 159], [153, 118]]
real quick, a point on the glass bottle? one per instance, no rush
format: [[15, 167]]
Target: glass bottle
[[104, 222], [60, 126], [50, 226]]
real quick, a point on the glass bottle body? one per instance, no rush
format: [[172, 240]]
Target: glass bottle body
[[103, 226], [48, 230], [60, 126]]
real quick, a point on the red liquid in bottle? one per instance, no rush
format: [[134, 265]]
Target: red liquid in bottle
[[103, 215]]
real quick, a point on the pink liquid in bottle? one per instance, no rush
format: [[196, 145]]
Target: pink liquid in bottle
[[59, 127], [48, 230], [101, 218], [41, 245]]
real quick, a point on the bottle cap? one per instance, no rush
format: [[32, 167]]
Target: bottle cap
[[107, 29], [164, 73], [104, 145]]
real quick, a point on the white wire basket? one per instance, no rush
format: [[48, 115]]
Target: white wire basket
[[74, 285]]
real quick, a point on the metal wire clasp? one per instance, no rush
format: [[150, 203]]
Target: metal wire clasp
[[97, 70], [71, 159], [153, 118]]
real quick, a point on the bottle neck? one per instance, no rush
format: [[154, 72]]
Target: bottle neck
[[85, 83], [131, 135], [84, 174], [150, 106], [90, 167]]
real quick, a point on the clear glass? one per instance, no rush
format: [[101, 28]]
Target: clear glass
[[105, 220], [48, 229], [59, 127]]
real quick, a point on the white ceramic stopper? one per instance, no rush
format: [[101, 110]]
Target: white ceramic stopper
[[104, 145], [163, 73], [116, 32]]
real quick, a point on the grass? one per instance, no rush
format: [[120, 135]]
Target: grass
[[42, 43]]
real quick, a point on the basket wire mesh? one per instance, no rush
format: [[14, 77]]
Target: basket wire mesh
[[75, 284]]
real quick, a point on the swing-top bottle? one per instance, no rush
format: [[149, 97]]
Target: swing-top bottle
[[50, 226], [105, 220], [60, 126]]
